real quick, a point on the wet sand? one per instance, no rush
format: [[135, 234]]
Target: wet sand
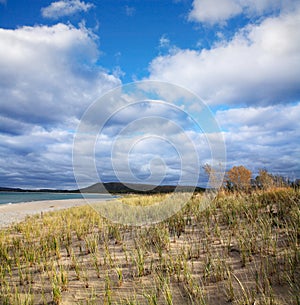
[[12, 213]]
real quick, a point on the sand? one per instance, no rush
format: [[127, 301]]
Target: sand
[[12, 213]]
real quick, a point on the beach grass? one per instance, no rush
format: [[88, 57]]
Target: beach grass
[[242, 249]]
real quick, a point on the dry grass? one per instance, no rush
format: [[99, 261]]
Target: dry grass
[[242, 249]]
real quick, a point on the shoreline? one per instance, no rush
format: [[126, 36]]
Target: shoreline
[[17, 212]]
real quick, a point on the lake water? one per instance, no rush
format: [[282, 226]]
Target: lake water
[[15, 197]]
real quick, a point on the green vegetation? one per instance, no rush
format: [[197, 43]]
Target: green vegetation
[[242, 249]]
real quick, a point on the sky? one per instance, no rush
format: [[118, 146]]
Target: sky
[[240, 57]]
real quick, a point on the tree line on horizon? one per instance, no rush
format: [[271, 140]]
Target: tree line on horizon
[[239, 178]]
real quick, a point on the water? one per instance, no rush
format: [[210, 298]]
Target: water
[[15, 197]]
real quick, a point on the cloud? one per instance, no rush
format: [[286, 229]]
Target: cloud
[[65, 8], [164, 41], [150, 156], [263, 137], [39, 158], [259, 65], [215, 11], [144, 142], [48, 77], [56, 73], [277, 118], [130, 11]]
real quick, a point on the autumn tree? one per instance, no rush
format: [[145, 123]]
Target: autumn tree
[[239, 178], [264, 179]]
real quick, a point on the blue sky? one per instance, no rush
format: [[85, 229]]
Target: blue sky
[[242, 57]]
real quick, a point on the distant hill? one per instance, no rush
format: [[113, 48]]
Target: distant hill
[[120, 188], [10, 189], [115, 188]]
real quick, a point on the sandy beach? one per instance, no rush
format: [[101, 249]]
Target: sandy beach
[[12, 213]]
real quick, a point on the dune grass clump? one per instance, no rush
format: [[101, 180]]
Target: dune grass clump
[[242, 249]]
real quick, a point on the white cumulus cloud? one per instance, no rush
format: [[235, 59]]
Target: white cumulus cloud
[[65, 8], [260, 64], [216, 11], [48, 73]]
